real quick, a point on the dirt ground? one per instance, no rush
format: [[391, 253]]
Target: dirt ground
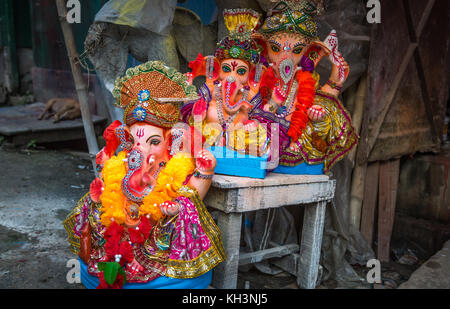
[[39, 188]]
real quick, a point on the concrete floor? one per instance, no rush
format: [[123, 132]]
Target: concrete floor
[[433, 274], [39, 188]]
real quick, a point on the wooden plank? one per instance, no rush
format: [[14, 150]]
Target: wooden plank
[[430, 107], [357, 194], [388, 99], [387, 197], [258, 256], [8, 40], [255, 198], [383, 85], [288, 263], [272, 179], [358, 112], [311, 244], [226, 273], [357, 180], [370, 201]]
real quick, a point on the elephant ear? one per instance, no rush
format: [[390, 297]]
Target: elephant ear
[[261, 42], [124, 135], [316, 51], [111, 139], [202, 64]]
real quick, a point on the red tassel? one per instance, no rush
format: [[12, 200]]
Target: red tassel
[[112, 142], [96, 190], [268, 82], [305, 99], [198, 66]]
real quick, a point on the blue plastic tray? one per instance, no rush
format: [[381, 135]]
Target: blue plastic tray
[[230, 162], [301, 169]]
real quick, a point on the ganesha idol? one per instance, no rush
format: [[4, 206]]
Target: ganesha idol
[[143, 224], [315, 130], [232, 89]]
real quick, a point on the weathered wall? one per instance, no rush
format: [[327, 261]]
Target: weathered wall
[[424, 187]]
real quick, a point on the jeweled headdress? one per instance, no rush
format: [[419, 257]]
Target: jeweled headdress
[[152, 92], [241, 24], [294, 16]]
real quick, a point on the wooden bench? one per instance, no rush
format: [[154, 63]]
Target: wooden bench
[[232, 196]]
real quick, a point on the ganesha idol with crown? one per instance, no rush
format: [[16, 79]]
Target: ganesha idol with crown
[[315, 130], [143, 223], [231, 91]]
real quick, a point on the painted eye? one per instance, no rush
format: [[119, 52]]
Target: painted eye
[[241, 71], [275, 48], [155, 142], [226, 69], [298, 50]]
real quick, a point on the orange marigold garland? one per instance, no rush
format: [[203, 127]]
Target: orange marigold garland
[[169, 181], [305, 99]]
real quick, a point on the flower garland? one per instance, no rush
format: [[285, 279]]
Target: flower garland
[[169, 181], [305, 99]]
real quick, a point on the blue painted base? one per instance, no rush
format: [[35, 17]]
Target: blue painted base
[[230, 162], [201, 282], [301, 169]]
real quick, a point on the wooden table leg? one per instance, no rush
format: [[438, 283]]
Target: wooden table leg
[[313, 223], [226, 273]]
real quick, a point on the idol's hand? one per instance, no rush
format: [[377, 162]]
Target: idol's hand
[[205, 161], [170, 208], [316, 113]]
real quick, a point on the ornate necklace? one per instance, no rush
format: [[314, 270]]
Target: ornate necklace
[[220, 115], [285, 109], [244, 97], [156, 172], [218, 94]]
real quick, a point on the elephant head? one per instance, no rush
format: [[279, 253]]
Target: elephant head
[[234, 68], [290, 42], [150, 135]]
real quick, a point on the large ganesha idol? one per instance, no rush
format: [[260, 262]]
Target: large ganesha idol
[[315, 129], [233, 77], [143, 224]]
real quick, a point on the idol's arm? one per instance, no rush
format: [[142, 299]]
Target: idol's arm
[[202, 178]]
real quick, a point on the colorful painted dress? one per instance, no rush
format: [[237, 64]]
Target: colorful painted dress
[[186, 245], [322, 142]]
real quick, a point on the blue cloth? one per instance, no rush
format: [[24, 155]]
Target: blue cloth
[[201, 282], [301, 169]]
